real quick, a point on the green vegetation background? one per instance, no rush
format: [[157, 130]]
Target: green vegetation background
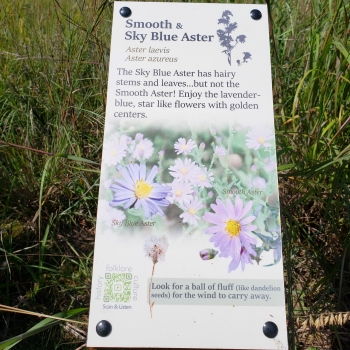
[[53, 76]]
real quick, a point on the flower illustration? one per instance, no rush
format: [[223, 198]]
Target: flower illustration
[[181, 146], [259, 183], [156, 247], [270, 165], [232, 231], [258, 137], [138, 190], [220, 151], [143, 150], [138, 136], [203, 178], [245, 258], [208, 254], [241, 38], [114, 150], [110, 216], [184, 170], [225, 38], [180, 192], [190, 211]]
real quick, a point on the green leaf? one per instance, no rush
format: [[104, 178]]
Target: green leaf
[[40, 327]]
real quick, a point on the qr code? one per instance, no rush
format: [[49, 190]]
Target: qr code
[[117, 287]]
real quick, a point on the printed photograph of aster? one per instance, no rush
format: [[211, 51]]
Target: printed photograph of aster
[[258, 137], [184, 170], [114, 150], [204, 178], [137, 189], [232, 231], [183, 146], [180, 192], [191, 210], [193, 170], [143, 149]]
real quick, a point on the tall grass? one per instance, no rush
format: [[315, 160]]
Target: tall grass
[[53, 60], [53, 77], [311, 72]]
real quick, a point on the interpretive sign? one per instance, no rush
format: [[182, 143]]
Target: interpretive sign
[[188, 237]]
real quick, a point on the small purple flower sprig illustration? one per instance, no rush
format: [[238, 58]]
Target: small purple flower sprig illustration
[[226, 39]]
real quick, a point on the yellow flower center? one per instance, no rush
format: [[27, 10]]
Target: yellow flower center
[[178, 193], [184, 147], [142, 189], [261, 140], [114, 152], [202, 177], [233, 228], [192, 211], [184, 171]]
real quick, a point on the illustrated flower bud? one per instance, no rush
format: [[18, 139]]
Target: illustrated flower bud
[[208, 254], [202, 145], [138, 136]]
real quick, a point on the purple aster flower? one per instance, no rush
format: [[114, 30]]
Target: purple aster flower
[[180, 192], [245, 258], [270, 165], [114, 150], [138, 136], [258, 137], [190, 211], [204, 178], [110, 216], [220, 151], [259, 183], [232, 230], [181, 146], [138, 190], [143, 150], [184, 170]]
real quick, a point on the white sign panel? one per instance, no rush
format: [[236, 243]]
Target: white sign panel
[[188, 238]]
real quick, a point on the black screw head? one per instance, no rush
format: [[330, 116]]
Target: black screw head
[[103, 328], [255, 14], [125, 12], [270, 329]]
